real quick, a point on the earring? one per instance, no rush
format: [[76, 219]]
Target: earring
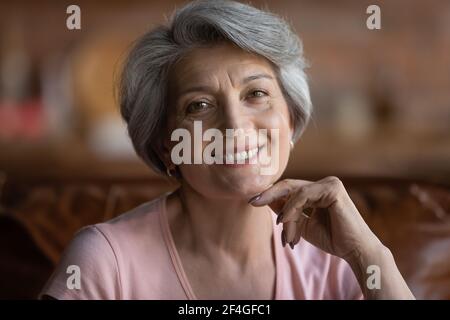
[[168, 172], [292, 144]]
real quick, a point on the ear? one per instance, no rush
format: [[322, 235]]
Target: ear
[[164, 154]]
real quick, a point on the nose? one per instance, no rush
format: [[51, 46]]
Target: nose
[[238, 125], [235, 116]]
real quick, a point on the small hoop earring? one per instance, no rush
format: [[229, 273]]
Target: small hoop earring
[[168, 172], [292, 144]]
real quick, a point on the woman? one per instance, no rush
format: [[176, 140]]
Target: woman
[[223, 233]]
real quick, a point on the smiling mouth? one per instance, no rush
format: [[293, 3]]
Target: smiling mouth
[[239, 158]]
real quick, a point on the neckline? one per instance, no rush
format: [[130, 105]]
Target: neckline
[[176, 260]]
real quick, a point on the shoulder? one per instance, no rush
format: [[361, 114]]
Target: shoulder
[[144, 220], [137, 234], [99, 253], [87, 269]]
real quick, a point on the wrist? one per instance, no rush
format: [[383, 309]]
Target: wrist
[[369, 253], [367, 260]]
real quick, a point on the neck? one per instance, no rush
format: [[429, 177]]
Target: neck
[[220, 226]]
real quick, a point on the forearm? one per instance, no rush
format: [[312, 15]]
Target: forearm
[[392, 285]]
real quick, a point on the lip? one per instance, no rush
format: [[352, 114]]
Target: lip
[[240, 148], [253, 154]]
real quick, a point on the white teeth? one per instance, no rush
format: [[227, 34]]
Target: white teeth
[[239, 156], [251, 153]]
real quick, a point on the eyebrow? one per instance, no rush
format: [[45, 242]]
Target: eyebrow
[[255, 77], [244, 81]]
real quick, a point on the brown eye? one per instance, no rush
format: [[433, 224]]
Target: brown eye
[[197, 107], [257, 94]]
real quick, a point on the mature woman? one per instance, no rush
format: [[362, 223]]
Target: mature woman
[[230, 231]]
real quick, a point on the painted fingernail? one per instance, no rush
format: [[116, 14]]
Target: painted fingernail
[[291, 245], [280, 216], [283, 238], [255, 198]]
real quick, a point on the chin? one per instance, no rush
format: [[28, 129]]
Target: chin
[[246, 186], [230, 181]]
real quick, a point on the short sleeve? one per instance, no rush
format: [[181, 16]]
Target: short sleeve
[[87, 270]]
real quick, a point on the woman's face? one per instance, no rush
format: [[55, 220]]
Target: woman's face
[[224, 87]]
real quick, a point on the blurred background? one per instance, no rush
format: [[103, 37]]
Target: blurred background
[[381, 99]]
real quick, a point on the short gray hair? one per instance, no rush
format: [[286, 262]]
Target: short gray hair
[[144, 79]]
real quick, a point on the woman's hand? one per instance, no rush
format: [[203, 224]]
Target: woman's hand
[[323, 214], [320, 212]]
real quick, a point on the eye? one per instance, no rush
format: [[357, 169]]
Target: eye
[[258, 94], [198, 106]]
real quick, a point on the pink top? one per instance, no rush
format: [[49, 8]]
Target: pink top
[[134, 257]]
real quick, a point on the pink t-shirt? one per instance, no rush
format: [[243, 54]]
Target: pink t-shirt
[[134, 257]]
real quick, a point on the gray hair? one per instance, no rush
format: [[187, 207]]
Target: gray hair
[[144, 80]]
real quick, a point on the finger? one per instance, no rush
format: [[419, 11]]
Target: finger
[[298, 235], [301, 229], [283, 238], [305, 198], [291, 210], [302, 226], [290, 229], [295, 215], [277, 191], [278, 204]]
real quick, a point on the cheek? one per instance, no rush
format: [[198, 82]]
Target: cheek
[[277, 118], [277, 121]]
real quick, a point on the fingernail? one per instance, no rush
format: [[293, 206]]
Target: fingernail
[[291, 245], [280, 216], [255, 198], [283, 238]]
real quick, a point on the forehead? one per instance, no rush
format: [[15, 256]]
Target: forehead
[[219, 60]]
